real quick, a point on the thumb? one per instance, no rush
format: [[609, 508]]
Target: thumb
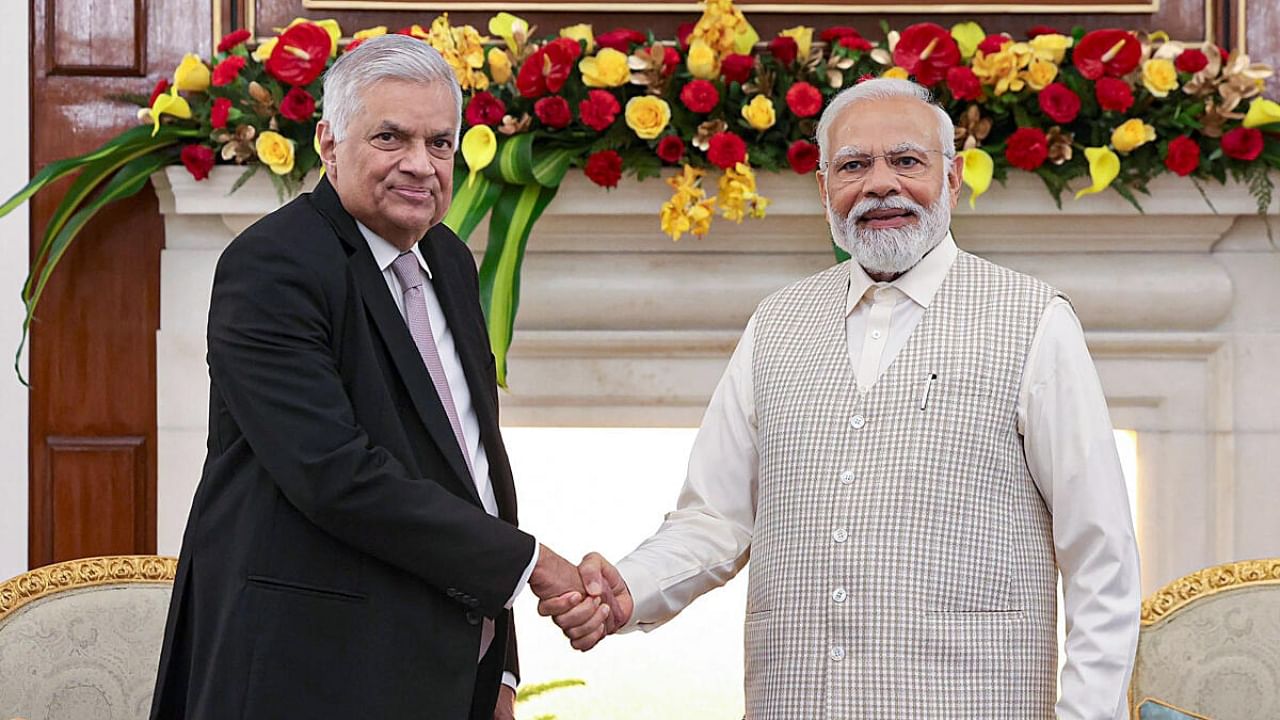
[[592, 570]]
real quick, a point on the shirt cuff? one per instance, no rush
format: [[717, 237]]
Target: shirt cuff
[[509, 680], [524, 579], [648, 611]]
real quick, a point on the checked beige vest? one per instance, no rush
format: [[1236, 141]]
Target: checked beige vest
[[902, 564]]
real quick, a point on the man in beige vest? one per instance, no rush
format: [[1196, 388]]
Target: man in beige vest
[[909, 447]]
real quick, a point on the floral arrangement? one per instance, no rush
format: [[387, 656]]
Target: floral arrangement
[[1110, 108]]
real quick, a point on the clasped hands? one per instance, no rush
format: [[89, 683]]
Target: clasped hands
[[587, 602]]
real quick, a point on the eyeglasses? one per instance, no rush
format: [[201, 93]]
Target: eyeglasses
[[905, 163]]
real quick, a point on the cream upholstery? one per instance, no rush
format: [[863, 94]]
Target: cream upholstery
[[1210, 643], [80, 640]]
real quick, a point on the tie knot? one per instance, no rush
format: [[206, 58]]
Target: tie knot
[[407, 271]]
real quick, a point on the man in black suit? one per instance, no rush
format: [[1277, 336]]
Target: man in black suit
[[352, 549]]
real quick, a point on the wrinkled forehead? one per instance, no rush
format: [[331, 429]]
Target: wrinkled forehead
[[414, 108], [878, 126]]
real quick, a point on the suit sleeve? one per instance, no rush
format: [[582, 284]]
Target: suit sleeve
[[512, 664], [271, 357]]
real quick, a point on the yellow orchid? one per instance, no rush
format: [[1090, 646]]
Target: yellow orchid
[[479, 146], [191, 75], [263, 51], [1104, 167], [170, 103], [1050, 47], [1262, 112], [511, 29], [804, 40], [968, 35], [330, 26], [977, 172], [581, 32]]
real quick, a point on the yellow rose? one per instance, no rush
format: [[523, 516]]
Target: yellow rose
[[759, 113], [648, 116], [581, 32], [607, 68], [1040, 74], [702, 61], [499, 65], [897, 73], [804, 40], [192, 75], [1050, 48], [275, 151], [263, 51], [1159, 76], [1132, 135]]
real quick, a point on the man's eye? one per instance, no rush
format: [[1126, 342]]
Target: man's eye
[[906, 161], [385, 137], [853, 165]]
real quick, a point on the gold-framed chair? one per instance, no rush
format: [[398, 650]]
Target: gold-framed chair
[[80, 640], [1209, 645]]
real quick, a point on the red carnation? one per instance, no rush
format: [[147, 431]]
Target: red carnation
[[803, 156], [927, 51], [604, 168], [162, 87], [226, 72], [621, 39], [233, 39], [300, 54], [683, 31], [737, 68], [298, 105], [547, 69], [963, 84], [832, 34], [804, 100], [726, 149], [599, 110], [670, 60], [1037, 30], [700, 96], [219, 113], [1184, 156], [198, 160], [1243, 143], [992, 43], [1114, 94], [553, 112], [671, 149], [784, 49], [485, 109], [1059, 102], [1114, 53], [1027, 149], [1191, 61], [851, 42]]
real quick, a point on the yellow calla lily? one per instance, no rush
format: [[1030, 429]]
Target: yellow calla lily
[[968, 35], [330, 26], [1104, 167], [263, 51], [479, 146], [745, 37], [170, 103], [1262, 112], [978, 169], [804, 40], [508, 26]]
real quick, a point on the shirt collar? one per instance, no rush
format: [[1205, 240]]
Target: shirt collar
[[384, 253], [920, 283]]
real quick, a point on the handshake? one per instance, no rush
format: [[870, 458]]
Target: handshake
[[587, 602]]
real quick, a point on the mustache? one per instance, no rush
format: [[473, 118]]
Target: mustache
[[896, 202]]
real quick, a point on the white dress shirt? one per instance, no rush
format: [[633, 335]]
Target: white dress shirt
[[1070, 452], [384, 253]]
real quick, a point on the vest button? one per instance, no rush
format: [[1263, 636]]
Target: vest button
[[837, 653], [840, 535], [839, 595], [846, 477], [857, 422]]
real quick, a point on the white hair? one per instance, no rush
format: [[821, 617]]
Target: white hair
[[892, 251], [388, 57], [884, 89]]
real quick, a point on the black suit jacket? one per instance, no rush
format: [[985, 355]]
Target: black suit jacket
[[337, 561]]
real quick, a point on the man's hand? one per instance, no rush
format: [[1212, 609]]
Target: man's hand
[[554, 576], [606, 608], [506, 708]]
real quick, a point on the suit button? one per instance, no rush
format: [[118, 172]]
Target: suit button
[[473, 617], [473, 603]]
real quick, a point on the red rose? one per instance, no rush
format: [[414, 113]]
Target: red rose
[[1027, 149], [963, 84], [1114, 53], [621, 39], [1243, 143], [198, 160], [700, 96], [832, 34], [1059, 103], [553, 112], [683, 31], [219, 112], [233, 39], [851, 42], [485, 109], [1037, 30], [300, 54], [298, 105], [225, 72], [804, 100], [548, 68], [670, 60], [1191, 61], [1114, 94], [1184, 155], [604, 168], [671, 149], [162, 87], [927, 51], [737, 68], [1222, 53], [599, 110], [803, 156], [784, 49], [726, 150], [993, 43]]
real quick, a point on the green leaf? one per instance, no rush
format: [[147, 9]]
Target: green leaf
[[528, 692], [470, 203], [249, 172], [514, 162], [550, 166]]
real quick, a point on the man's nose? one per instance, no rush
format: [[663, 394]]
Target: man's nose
[[416, 161], [881, 181]]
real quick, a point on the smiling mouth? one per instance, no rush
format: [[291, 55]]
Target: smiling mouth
[[886, 217], [412, 193]]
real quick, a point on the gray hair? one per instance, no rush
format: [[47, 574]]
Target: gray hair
[[884, 89], [388, 57]]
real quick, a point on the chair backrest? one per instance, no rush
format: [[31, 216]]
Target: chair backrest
[[1210, 643], [80, 640]]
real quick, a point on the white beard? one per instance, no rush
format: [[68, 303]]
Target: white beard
[[892, 251]]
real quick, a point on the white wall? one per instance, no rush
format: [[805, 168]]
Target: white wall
[[14, 125]]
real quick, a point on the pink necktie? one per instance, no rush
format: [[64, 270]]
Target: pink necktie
[[409, 273]]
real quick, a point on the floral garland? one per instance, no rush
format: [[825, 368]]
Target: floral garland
[[1112, 106]]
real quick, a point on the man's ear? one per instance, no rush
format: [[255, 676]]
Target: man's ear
[[328, 145], [955, 179], [822, 187]]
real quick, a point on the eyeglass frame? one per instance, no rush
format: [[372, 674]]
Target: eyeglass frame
[[825, 167]]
